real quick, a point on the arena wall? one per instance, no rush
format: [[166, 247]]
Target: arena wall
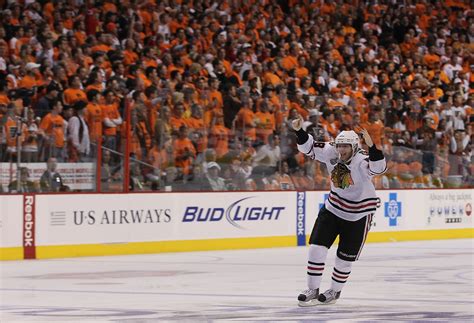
[[71, 225]]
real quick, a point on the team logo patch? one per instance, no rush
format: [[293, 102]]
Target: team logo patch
[[341, 176]]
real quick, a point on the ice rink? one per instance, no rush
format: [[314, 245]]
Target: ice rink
[[429, 281]]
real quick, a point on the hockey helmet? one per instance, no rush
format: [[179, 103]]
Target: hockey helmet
[[348, 137]]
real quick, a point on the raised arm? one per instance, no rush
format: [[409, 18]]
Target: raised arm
[[377, 162], [321, 151]]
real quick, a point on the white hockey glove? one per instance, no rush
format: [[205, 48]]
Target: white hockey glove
[[365, 134], [297, 123]]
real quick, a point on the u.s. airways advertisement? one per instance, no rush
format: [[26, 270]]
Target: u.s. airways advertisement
[[30, 221], [116, 218]]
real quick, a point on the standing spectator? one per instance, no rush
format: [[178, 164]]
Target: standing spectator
[[159, 157], [271, 76], [51, 181], [74, 93], [141, 132], [112, 120], [78, 134], [215, 96], [3, 140], [266, 121], [185, 151], [54, 128], [458, 112], [94, 116], [219, 137], [163, 126], [177, 120], [10, 131], [246, 121], [198, 129], [30, 131], [232, 105], [43, 106], [458, 151]]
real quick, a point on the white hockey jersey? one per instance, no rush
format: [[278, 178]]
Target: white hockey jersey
[[352, 197]]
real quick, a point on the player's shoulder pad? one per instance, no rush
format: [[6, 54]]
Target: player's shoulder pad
[[361, 157]]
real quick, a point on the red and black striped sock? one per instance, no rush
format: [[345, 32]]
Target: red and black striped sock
[[340, 274], [316, 259]]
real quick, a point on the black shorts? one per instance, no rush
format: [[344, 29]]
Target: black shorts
[[352, 234]]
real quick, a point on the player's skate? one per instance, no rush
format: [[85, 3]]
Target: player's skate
[[308, 297], [329, 297]]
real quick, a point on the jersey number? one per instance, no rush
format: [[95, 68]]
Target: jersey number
[[319, 145]]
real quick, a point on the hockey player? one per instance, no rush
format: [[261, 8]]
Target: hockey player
[[348, 210]]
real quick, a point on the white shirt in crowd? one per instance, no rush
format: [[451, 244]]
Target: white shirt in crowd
[[267, 156], [73, 134]]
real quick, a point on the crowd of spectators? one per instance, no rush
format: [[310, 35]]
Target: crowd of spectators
[[203, 91]]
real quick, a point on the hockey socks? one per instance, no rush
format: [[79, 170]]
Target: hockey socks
[[340, 274], [316, 258]]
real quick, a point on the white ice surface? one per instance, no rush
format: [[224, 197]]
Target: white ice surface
[[427, 281]]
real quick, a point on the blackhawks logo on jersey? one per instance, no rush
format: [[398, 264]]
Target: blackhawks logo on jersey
[[341, 176]]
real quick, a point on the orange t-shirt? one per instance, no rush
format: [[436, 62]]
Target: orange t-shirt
[[109, 6], [4, 99], [81, 37], [96, 86], [431, 60], [101, 48], [94, 117], [180, 147], [71, 96], [272, 78], [176, 123], [11, 128], [27, 82], [302, 72], [129, 57], [289, 62], [54, 126], [245, 117], [219, 137], [158, 158], [331, 127], [266, 125], [196, 124], [216, 95], [175, 25], [302, 111], [110, 111]]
